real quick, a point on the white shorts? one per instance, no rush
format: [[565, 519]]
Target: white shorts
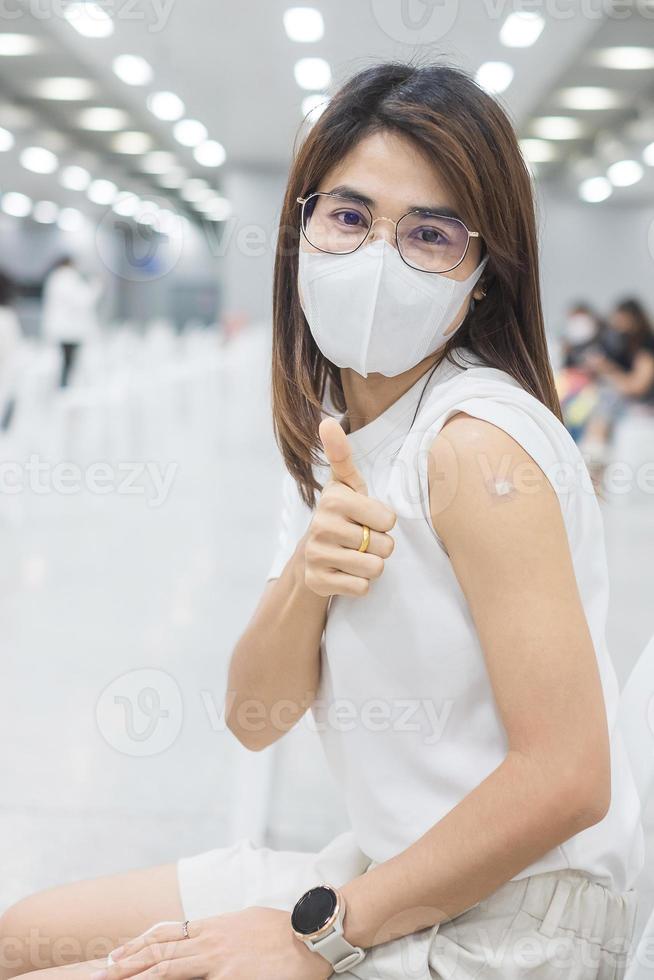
[[558, 924]]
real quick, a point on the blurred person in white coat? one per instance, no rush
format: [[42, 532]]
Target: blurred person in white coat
[[69, 310], [10, 338]]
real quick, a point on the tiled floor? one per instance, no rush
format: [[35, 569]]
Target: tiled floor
[[96, 587]]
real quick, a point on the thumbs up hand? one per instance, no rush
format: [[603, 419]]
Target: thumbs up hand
[[333, 563]]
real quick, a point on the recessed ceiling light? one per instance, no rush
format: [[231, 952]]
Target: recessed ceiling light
[[158, 162], [70, 219], [132, 69], [45, 212], [39, 160], [304, 24], [538, 151], [521, 29], [15, 204], [173, 179], [190, 132], [102, 119], [211, 153], [102, 191], [312, 73], [147, 213], [6, 140], [557, 128], [624, 173], [89, 19], [166, 106], [624, 58], [131, 141], [169, 223], [17, 45], [75, 178], [196, 190], [590, 98], [126, 204], [595, 189], [648, 155], [216, 208], [494, 76], [64, 89]]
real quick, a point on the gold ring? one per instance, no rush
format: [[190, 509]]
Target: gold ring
[[365, 540]]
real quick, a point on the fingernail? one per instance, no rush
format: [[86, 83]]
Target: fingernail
[[117, 952], [99, 975]]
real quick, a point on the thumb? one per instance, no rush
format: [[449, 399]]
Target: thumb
[[339, 455]]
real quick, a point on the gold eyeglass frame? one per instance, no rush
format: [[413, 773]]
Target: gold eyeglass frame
[[429, 272]]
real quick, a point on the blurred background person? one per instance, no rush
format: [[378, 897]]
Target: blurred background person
[[574, 383], [69, 311], [10, 339], [622, 362]]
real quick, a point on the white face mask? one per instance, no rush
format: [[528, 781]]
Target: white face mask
[[580, 328], [371, 312]]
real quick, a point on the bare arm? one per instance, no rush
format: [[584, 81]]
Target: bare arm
[[638, 380], [275, 667], [510, 554]]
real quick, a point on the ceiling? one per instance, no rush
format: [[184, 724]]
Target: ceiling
[[232, 63]]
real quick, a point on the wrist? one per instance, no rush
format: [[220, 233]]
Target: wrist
[[355, 927], [317, 920]]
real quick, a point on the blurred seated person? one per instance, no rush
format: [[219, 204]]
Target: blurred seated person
[[623, 365], [69, 311], [576, 390]]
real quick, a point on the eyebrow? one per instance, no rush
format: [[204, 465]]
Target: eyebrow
[[344, 190]]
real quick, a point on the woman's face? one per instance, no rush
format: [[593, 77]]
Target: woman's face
[[622, 321], [390, 174]]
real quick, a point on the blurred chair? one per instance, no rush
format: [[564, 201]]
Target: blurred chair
[[637, 720]]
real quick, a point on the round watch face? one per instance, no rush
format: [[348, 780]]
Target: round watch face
[[313, 910]]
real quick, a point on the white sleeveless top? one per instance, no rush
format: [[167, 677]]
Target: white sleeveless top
[[405, 709]]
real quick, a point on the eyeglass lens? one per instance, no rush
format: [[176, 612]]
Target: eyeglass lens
[[429, 242]]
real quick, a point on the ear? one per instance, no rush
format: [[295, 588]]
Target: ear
[[479, 291]]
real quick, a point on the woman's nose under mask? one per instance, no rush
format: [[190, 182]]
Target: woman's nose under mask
[[371, 312]]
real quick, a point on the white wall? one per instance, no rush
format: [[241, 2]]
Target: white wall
[[249, 239], [596, 252]]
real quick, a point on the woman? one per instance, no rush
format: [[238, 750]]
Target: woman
[[69, 311], [574, 385], [624, 368], [440, 576]]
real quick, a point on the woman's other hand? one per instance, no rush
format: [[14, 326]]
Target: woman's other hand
[[333, 563]]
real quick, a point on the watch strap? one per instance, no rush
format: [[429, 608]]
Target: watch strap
[[338, 951]]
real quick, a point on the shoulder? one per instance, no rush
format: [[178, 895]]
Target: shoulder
[[495, 434], [488, 495], [476, 457]]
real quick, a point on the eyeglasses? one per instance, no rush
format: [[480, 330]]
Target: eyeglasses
[[426, 241]]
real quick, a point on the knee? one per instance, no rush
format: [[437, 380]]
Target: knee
[[31, 940]]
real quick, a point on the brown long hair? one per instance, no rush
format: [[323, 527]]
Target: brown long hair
[[471, 141]]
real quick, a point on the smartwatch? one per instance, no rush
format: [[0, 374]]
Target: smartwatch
[[317, 919]]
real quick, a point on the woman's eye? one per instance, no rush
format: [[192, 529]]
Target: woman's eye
[[431, 236], [350, 218]]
